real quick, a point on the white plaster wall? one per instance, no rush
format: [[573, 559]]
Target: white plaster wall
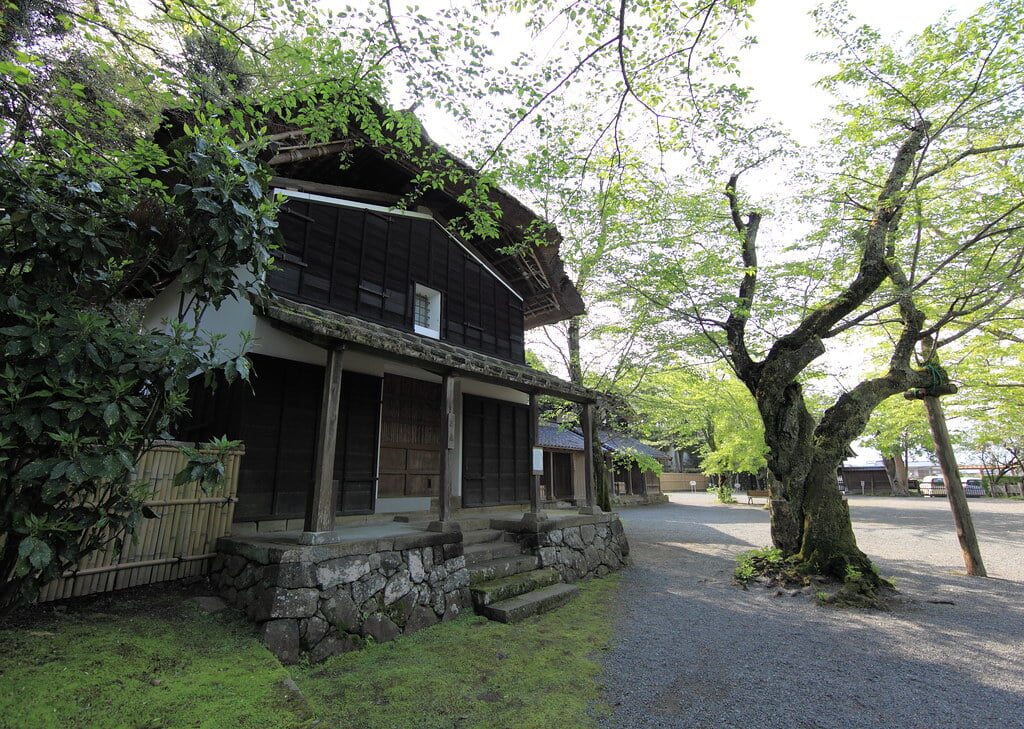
[[232, 318]]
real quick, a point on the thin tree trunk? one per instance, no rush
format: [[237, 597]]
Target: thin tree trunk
[[954, 488], [896, 470]]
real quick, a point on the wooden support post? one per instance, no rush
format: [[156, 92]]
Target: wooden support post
[[954, 488], [534, 479], [444, 521], [321, 505], [587, 424], [534, 516]]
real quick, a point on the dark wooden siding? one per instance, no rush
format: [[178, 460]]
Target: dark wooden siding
[[277, 418], [366, 263], [496, 458]]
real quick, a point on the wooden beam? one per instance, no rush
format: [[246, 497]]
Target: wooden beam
[[350, 193], [321, 506]]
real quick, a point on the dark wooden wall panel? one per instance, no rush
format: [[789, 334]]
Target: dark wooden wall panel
[[496, 454], [277, 419], [367, 263]]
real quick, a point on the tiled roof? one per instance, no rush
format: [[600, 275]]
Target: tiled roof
[[618, 442], [555, 436]]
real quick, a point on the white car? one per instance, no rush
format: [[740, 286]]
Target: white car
[[934, 486]]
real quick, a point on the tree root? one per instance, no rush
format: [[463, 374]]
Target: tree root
[[857, 589]]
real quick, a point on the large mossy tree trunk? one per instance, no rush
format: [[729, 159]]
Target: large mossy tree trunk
[[810, 518]]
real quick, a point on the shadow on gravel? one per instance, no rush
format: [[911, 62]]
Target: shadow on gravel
[[694, 651]]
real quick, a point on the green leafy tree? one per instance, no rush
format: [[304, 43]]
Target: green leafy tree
[[917, 241]]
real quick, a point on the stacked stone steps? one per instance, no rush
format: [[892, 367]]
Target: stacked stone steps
[[504, 588], [505, 584], [532, 603]]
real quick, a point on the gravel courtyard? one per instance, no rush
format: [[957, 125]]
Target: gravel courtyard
[[694, 651]]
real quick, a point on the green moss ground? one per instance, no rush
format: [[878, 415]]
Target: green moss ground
[[473, 673], [148, 659], [179, 667]]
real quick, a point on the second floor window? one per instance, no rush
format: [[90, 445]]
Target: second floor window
[[427, 312]]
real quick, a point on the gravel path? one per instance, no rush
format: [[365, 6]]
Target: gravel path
[[694, 651]]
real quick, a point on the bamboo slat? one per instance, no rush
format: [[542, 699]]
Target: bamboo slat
[[178, 544]]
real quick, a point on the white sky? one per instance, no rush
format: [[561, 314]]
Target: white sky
[[777, 67]]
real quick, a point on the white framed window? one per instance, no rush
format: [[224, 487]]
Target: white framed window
[[426, 312]]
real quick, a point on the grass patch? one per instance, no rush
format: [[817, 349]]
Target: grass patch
[[175, 667], [147, 659], [473, 673]]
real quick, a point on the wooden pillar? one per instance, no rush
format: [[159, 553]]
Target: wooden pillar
[[587, 424], [534, 478], [447, 446], [321, 506], [444, 522]]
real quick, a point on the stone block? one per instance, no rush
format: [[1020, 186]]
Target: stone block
[[367, 587], [292, 575], [548, 556], [333, 646], [397, 587], [234, 565], [587, 533], [340, 610], [416, 572], [248, 577], [555, 536], [342, 570], [381, 628], [281, 603], [282, 639], [571, 537], [451, 551], [313, 631], [453, 608], [390, 562], [420, 618]]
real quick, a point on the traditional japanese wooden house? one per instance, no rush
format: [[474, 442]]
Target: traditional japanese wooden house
[[390, 422], [388, 355], [565, 468]]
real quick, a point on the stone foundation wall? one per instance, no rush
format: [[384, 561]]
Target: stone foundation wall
[[328, 599], [578, 547]]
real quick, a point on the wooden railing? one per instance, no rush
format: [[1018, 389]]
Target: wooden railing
[[178, 544]]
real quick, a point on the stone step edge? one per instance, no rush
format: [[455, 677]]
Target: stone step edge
[[479, 553], [501, 567], [533, 603], [504, 588], [482, 536]]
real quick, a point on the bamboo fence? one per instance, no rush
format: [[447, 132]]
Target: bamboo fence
[[178, 544]]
